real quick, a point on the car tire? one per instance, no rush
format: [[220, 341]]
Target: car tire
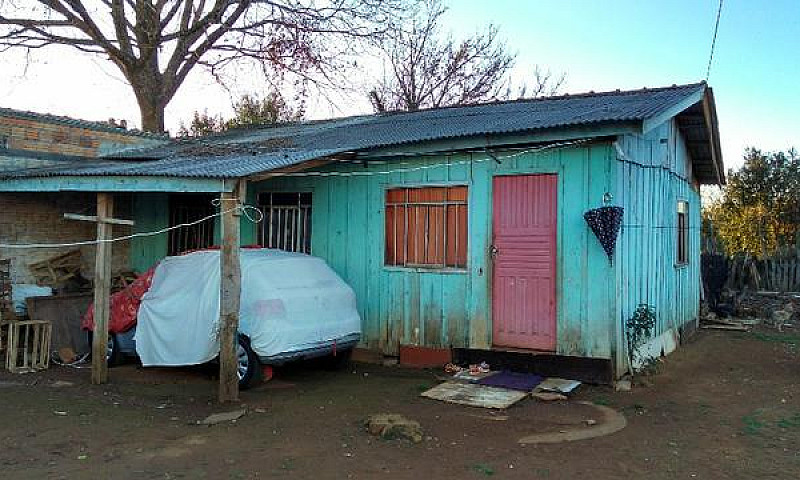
[[248, 367], [339, 361], [113, 353]]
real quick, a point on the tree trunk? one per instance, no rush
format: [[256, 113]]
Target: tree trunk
[[152, 113]]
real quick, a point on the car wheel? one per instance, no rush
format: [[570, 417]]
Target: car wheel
[[113, 353], [248, 367], [340, 360]]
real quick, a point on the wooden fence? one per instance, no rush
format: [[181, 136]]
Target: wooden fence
[[777, 273]]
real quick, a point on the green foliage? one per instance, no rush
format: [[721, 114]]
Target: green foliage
[[759, 209], [249, 111], [483, 469], [638, 329], [752, 423]]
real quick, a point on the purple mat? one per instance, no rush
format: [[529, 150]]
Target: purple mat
[[512, 380]]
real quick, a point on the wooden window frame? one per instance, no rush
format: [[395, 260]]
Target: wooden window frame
[[436, 217], [682, 233]]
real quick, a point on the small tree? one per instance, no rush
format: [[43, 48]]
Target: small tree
[[759, 209], [638, 329], [250, 110]]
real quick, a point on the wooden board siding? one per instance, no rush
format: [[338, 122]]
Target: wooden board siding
[[452, 307], [654, 173]]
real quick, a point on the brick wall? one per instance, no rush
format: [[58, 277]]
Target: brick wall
[[53, 137], [39, 218]]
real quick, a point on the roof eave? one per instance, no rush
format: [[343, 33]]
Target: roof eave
[[710, 110]]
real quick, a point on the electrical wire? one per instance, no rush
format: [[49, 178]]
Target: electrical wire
[[246, 210], [256, 216], [714, 41], [491, 157]]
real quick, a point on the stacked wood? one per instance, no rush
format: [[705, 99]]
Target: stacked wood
[[6, 307], [55, 271]]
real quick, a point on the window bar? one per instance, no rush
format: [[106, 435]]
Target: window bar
[[444, 241]]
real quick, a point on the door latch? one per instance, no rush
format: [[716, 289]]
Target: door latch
[[493, 251]]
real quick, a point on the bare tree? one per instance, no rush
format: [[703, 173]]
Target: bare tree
[[543, 83], [157, 43], [428, 69]]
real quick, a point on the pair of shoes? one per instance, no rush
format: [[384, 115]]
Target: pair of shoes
[[452, 368], [478, 369]]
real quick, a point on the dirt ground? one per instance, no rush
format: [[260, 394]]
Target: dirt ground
[[726, 406]]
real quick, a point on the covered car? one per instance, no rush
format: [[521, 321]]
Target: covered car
[[293, 306]]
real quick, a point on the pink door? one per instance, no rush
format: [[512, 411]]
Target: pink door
[[524, 252]]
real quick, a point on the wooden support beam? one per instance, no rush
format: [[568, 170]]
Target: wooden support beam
[[292, 169], [102, 289], [230, 292], [94, 218]]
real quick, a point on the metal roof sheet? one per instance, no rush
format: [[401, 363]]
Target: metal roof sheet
[[240, 153]]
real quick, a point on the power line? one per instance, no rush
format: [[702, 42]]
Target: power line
[[255, 215], [714, 41]]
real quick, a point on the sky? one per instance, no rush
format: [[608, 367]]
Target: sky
[[599, 45]]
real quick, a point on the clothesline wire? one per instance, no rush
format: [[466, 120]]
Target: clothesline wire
[[250, 212], [255, 215]]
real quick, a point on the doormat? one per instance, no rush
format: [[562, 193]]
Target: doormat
[[524, 382], [474, 395]]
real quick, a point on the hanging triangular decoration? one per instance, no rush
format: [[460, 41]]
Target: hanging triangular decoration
[[605, 222]]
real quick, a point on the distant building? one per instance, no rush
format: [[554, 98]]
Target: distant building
[[30, 140]]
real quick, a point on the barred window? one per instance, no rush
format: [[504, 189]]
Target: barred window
[[190, 208], [287, 221], [426, 227]]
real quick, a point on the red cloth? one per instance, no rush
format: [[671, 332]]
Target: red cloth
[[124, 305]]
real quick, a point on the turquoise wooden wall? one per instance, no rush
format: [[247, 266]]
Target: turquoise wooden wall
[[435, 308], [654, 173], [151, 213]]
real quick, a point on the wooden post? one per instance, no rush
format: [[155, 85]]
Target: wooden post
[[230, 291], [102, 289]]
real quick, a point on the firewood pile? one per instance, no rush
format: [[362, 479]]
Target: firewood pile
[[780, 310], [58, 270]]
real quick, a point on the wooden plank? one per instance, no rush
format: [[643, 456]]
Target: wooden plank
[[113, 183], [474, 395], [94, 218], [230, 291], [102, 289]]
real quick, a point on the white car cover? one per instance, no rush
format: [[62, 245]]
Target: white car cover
[[289, 302]]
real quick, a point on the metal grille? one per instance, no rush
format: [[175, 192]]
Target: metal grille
[[287, 221], [187, 209], [426, 227]]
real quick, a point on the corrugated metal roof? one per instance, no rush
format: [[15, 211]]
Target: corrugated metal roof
[[240, 153], [74, 122]]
